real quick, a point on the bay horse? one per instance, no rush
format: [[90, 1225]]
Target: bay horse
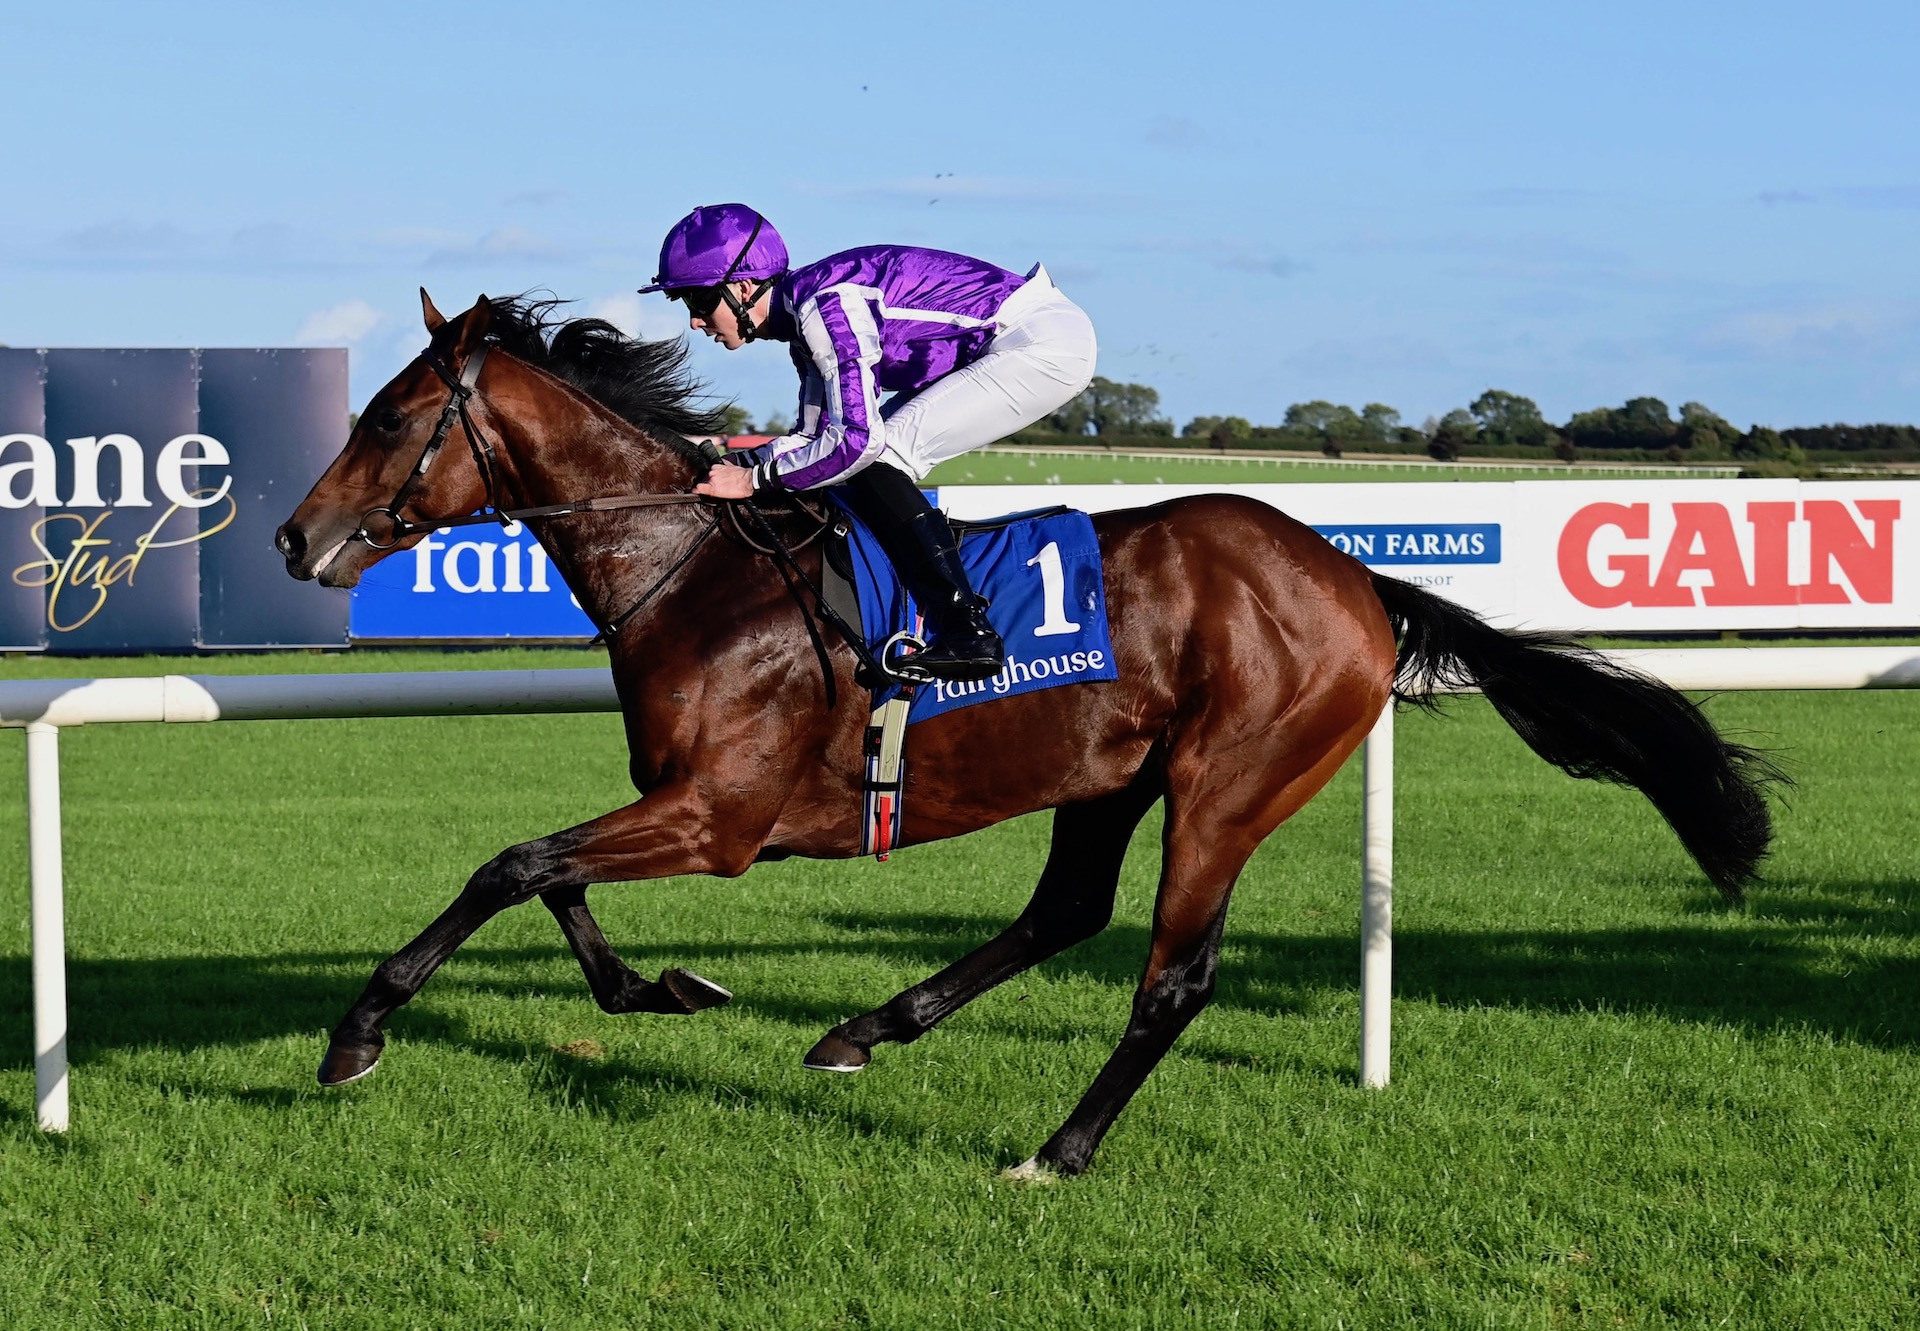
[[1253, 658]]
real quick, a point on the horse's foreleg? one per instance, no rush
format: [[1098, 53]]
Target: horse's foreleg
[[616, 986], [669, 832], [1073, 902]]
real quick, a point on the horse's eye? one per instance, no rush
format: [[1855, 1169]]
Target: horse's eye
[[389, 419]]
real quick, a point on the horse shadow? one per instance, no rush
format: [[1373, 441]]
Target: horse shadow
[[1775, 965]]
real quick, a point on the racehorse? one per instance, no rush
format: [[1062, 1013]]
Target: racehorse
[[1253, 658]]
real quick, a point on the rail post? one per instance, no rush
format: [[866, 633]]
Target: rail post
[[1376, 900], [49, 927]]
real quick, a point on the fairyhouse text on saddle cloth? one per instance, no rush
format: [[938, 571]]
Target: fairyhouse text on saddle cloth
[[1042, 574]]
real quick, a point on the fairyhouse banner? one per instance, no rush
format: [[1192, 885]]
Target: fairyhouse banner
[[139, 492]]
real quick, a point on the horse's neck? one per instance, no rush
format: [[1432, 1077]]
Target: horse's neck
[[580, 450]]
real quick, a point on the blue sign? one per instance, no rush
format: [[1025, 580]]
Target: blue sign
[[1417, 542], [468, 582]]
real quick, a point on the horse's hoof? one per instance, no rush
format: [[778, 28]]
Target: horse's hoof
[[1031, 1172], [695, 993], [835, 1053], [347, 1063]]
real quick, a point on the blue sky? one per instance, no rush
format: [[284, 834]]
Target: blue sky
[[1257, 204]]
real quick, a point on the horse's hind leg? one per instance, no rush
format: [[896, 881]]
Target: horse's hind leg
[[1073, 902], [616, 986], [1218, 812]]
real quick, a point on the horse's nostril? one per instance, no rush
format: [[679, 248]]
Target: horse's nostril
[[289, 542]]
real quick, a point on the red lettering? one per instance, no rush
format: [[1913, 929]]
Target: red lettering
[[1836, 539], [1576, 572], [1771, 585], [1718, 556]]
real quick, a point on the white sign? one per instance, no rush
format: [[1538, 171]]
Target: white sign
[[1596, 556]]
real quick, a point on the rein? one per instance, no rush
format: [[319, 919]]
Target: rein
[[462, 389], [460, 392]]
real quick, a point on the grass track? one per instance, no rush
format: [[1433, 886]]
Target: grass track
[[1012, 466], [1615, 1103]]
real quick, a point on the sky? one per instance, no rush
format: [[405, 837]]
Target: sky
[[1257, 204]]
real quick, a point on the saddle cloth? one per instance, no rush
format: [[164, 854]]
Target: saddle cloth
[[1040, 570]]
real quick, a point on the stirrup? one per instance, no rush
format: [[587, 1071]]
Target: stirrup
[[970, 659], [897, 657]]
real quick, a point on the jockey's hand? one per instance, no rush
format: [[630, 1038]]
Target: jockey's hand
[[727, 482]]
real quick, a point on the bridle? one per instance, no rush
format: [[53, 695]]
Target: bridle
[[461, 391]]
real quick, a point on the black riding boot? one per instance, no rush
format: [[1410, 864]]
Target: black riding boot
[[961, 643]]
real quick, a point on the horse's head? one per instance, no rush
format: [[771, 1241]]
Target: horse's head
[[406, 460]]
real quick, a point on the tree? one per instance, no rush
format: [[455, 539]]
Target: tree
[[1380, 423], [1455, 432], [1320, 423], [1108, 408], [1075, 418], [776, 424], [734, 420], [1706, 434], [1643, 422], [1236, 429], [1509, 419], [1646, 421]]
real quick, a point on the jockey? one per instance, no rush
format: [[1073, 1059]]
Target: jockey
[[969, 351]]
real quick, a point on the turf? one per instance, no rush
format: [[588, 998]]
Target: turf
[[1615, 1102]]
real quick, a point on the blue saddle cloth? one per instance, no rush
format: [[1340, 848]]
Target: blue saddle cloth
[[1040, 570]]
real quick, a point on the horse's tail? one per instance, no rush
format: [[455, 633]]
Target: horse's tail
[[1594, 719]]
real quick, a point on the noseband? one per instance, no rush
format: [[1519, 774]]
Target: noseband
[[456, 409]]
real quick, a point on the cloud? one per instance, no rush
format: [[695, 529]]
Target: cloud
[[653, 319], [964, 191], [535, 198], [1232, 256], [508, 242], [1810, 331], [1264, 265], [1879, 196], [338, 325], [130, 240], [1526, 196], [1872, 197], [1174, 133]]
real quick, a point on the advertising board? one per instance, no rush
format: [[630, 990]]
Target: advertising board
[[1600, 556], [139, 490]]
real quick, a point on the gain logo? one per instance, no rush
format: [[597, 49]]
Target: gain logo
[[79, 564], [1775, 552]]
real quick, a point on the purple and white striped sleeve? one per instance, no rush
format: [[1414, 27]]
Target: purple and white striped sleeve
[[844, 342]]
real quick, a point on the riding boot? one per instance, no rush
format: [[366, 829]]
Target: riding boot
[[962, 644]]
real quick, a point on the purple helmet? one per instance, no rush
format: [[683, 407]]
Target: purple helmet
[[719, 243]]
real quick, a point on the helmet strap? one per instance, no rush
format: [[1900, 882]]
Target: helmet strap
[[743, 310]]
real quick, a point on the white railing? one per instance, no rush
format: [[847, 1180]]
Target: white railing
[[43, 707]]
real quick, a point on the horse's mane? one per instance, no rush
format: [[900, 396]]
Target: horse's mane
[[646, 383]]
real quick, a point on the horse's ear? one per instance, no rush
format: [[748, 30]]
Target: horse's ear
[[474, 325], [427, 311]]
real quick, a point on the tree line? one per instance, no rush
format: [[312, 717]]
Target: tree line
[[1497, 423]]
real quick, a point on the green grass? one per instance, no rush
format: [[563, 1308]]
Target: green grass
[[1615, 1103], [996, 466]]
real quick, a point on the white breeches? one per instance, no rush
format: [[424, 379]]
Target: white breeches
[[1040, 360]]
